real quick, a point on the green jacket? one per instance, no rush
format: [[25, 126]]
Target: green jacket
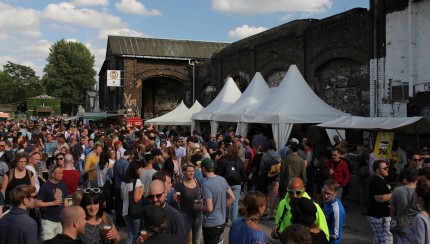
[[320, 221]]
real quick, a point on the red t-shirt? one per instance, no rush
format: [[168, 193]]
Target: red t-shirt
[[71, 178]]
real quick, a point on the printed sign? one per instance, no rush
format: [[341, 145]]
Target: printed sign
[[114, 78], [383, 145]]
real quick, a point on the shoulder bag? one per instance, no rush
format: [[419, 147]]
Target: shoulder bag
[[134, 208]]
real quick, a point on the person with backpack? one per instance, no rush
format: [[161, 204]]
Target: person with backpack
[[269, 172], [233, 170], [16, 176]]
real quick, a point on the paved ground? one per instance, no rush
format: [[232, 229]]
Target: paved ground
[[357, 229]]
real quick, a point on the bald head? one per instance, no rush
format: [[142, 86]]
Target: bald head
[[156, 187], [70, 214], [68, 159], [157, 193], [296, 184]]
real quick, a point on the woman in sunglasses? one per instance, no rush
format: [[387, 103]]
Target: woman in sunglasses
[[129, 183], [97, 220]]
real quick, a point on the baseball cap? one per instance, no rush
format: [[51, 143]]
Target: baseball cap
[[294, 140], [207, 163]]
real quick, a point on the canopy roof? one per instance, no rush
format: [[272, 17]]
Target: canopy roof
[[255, 93], [185, 117], [292, 102], [228, 95], [408, 125], [166, 119]]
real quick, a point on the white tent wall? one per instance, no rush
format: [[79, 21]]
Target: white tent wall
[[332, 132], [214, 127], [242, 129], [281, 133]]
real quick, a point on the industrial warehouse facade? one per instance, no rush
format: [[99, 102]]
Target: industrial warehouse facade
[[348, 59]]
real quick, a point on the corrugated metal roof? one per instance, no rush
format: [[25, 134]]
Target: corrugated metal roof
[[138, 46]]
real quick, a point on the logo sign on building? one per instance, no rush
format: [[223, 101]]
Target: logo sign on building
[[383, 145], [114, 78]]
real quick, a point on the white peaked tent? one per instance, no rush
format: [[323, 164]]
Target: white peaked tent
[[256, 92], [226, 97], [167, 119], [185, 117], [292, 102]]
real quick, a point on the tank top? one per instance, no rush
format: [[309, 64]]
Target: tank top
[[16, 182]]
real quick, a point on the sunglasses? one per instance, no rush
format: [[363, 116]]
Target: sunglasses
[[416, 159], [60, 158], [386, 168], [89, 190], [294, 192], [158, 196]]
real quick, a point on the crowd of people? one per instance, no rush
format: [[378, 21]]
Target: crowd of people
[[70, 183]]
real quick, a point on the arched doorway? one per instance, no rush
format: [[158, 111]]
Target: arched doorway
[[160, 95]]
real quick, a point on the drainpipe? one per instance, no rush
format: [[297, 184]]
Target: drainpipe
[[411, 47], [194, 78], [375, 56]]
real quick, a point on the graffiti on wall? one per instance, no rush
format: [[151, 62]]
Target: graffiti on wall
[[275, 79], [344, 84], [129, 102]]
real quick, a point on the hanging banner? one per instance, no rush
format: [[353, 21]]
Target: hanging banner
[[114, 78], [383, 145]]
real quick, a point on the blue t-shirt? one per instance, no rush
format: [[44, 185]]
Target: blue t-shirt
[[47, 193], [215, 188], [241, 233]]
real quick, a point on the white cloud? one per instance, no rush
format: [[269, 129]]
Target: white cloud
[[86, 3], [135, 7], [67, 13], [17, 20], [271, 6], [39, 49], [245, 31], [103, 34]]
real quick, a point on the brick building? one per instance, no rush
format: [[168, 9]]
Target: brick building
[[359, 61]]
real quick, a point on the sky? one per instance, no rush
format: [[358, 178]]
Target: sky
[[29, 27]]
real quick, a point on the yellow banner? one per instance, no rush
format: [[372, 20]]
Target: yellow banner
[[383, 145]]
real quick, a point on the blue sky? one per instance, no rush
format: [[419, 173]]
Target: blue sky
[[29, 27]]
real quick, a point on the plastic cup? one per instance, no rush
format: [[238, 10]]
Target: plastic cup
[[143, 235], [106, 230]]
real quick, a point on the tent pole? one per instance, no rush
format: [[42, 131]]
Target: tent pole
[[339, 134]]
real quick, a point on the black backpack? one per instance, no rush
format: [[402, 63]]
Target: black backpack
[[232, 174]]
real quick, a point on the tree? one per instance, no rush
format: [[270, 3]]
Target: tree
[[19, 82], [69, 73]]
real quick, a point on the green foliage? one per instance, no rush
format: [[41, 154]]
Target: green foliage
[[70, 72], [36, 103], [19, 82]]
